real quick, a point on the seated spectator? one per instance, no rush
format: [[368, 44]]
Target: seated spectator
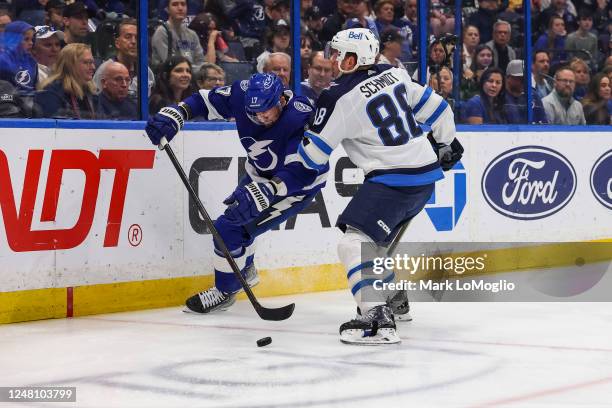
[[383, 10], [54, 16], [249, 22], [16, 63], [438, 57], [515, 103], [597, 103], [46, 49], [279, 63], [76, 28], [471, 40], [346, 9], [173, 83], [583, 77], [583, 39], [276, 10], [278, 40], [5, 19], [539, 73], [553, 40], [114, 102], [391, 48], [319, 76], [470, 83], [126, 46], [209, 76], [561, 107], [29, 11], [487, 106], [314, 24], [484, 19], [442, 83], [441, 18], [68, 93], [173, 38], [408, 23], [11, 105], [211, 39], [502, 52], [558, 8]]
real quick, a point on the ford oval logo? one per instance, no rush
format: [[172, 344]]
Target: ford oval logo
[[601, 179], [529, 182]]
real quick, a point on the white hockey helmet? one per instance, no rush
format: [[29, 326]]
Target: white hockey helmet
[[360, 41]]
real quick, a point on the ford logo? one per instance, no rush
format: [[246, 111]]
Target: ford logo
[[529, 182], [601, 179]]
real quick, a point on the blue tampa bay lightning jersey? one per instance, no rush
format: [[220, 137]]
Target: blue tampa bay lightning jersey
[[272, 151]]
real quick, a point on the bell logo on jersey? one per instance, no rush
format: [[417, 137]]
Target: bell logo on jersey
[[446, 217]]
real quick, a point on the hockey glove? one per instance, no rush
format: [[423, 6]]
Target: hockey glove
[[248, 201], [448, 155], [167, 122]]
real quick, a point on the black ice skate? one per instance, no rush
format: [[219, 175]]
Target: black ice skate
[[213, 299], [376, 327], [399, 305]]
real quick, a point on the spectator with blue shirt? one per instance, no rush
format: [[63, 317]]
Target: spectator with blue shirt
[[515, 105], [17, 65], [487, 106]]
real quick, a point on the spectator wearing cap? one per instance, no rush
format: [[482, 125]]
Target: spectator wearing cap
[[54, 16], [46, 49], [278, 40], [276, 10], [16, 63], [115, 102], [205, 26], [126, 46], [560, 105], [68, 93], [391, 48], [346, 9], [515, 102], [185, 42], [503, 53], [75, 23], [314, 23], [484, 18], [319, 76], [279, 63], [249, 22], [210, 76], [583, 39]]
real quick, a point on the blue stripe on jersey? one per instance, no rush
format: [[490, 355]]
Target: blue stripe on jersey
[[434, 116], [359, 267], [309, 162], [324, 147], [423, 100], [406, 180], [361, 284]]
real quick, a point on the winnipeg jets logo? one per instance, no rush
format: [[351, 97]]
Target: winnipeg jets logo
[[22, 77], [257, 153]]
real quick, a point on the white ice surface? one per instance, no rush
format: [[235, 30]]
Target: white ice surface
[[452, 355]]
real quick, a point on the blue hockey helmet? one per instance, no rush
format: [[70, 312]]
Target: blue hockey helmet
[[263, 93]]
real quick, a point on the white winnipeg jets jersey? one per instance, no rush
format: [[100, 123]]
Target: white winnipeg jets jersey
[[376, 115]]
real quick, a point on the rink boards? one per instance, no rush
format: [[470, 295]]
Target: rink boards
[[96, 220]]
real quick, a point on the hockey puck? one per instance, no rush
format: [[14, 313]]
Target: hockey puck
[[264, 341]]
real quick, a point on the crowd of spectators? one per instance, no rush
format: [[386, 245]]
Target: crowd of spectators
[[79, 59]]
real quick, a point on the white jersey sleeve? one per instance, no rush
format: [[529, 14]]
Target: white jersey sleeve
[[376, 115]]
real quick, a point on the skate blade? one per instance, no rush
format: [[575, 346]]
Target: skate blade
[[403, 317], [384, 336]]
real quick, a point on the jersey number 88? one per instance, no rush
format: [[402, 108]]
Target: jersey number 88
[[389, 117]]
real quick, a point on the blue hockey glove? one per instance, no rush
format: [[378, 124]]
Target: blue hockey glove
[[167, 122], [248, 201], [448, 155]]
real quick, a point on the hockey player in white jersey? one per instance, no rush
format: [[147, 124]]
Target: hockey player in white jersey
[[376, 112]]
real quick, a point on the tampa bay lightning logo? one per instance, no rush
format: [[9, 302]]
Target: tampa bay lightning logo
[[22, 77], [244, 85], [260, 154], [268, 81]]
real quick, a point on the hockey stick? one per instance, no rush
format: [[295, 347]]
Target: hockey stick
[[280, 313]]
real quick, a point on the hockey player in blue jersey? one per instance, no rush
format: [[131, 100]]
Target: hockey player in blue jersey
[[270, 122], [376, 112]]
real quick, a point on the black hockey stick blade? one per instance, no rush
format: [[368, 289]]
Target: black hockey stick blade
[[274, 314]]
